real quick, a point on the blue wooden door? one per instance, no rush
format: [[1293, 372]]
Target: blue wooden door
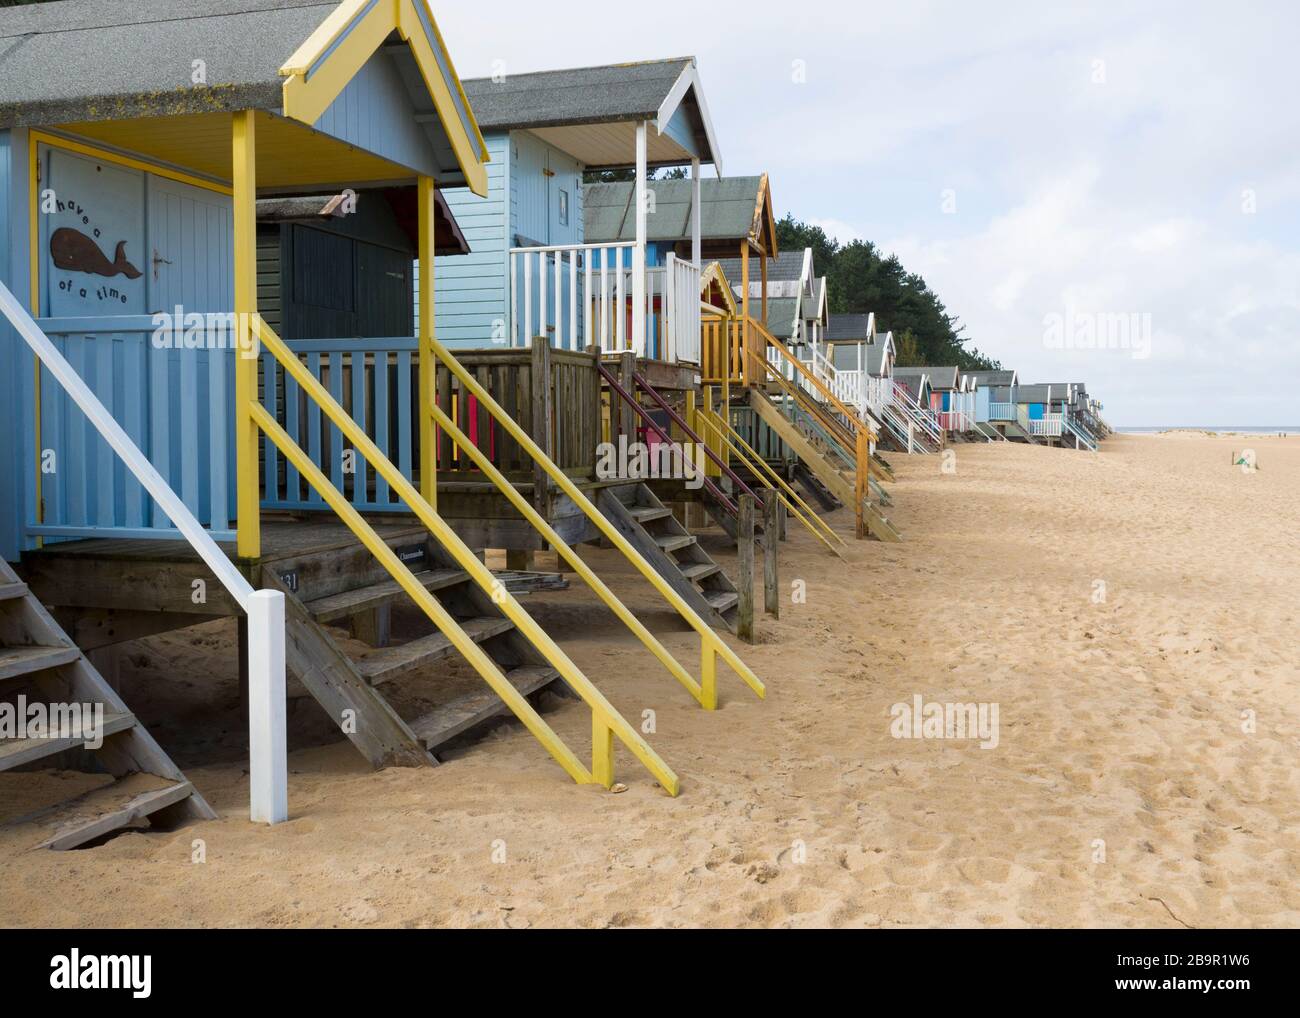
[[92, 268], [117, 245], [191, 388]]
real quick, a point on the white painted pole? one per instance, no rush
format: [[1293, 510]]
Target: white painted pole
[[268, 766], [695, 214], [638, 252]]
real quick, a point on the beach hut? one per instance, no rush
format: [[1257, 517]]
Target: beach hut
[[129, 191]]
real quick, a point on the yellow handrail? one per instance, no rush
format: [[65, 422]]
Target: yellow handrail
[[719, 426], [831, 398], [580, 567], [606, 720], [710, 640]]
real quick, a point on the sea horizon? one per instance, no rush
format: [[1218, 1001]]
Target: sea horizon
[[1220, 429]]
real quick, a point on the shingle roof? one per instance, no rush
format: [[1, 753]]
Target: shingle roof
[[847, 327], [1038, 392], [940, 378], [91, 59], [983, 378], [780, 315], [727, 210], [577, 95]]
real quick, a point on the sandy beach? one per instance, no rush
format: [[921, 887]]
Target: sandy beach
[[1133, 616]]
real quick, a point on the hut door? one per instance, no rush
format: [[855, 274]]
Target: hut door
[[117, 245], [92, 268]]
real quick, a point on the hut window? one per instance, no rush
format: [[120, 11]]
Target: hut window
[[564, 207]]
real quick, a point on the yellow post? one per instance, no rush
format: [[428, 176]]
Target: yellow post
[[602, 751], [744, 316], [244, 175], [860, 490], [709, 678], [428, 362]]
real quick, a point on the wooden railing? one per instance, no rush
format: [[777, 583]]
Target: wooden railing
[[376, 382]]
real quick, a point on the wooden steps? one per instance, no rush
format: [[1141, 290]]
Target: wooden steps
[[444, 723], [673, 552], [19, 751], [15, 661], [394, 662], [352, 602], [820, 465], [351, 684], [101, 811], [41, 664]]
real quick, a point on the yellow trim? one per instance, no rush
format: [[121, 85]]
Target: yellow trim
[[462, 141], [350, 42], [428, 394], [248, 509], [107, 156], [323, 37], [441, 532]]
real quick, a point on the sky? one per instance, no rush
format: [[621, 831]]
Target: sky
[[1103, 192]]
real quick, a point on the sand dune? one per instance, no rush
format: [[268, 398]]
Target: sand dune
[[1120, 731]]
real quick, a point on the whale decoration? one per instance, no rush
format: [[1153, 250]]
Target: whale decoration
[[73, 250]]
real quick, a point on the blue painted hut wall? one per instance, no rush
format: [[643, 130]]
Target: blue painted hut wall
[[374, 112], [530, 183], [982, 401], [16, 433]]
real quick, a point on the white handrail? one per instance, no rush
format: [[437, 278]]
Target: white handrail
[[268, 761]]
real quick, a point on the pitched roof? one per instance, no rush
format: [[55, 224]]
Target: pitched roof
[[991, 377], [606, 94], [99, 60], [731, 209], [784, 275], [940, 378], [125, 48], [780, 315], [1039, 392], [844, 326]]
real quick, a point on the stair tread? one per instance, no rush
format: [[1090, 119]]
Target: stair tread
[[103, 810], [451, 719], [9, 591], [390, 662], [721, 600], [15, 661], [18, 751], [349, 602], [699, 570], [646, 513], [672, 542]]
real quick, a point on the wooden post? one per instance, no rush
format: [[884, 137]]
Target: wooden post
[[762, 273], [248, 507], [543, 414], [860, 486], [627, 416], [374, 626], [747, 370], [745, 570], [428, 365], [771, 536], [520, 559]]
